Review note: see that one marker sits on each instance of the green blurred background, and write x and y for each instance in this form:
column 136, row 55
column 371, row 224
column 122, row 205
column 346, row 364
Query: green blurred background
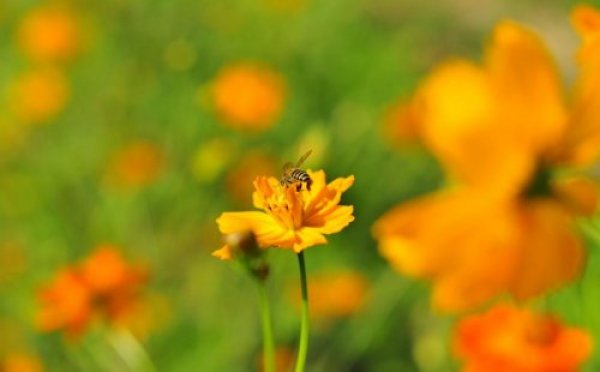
column 143, row 73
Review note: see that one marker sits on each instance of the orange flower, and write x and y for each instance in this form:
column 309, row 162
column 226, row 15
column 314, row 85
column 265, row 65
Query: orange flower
column 136, row 165
column 335, row 295
column 49, row 35
column 507, row 339
column 39, row 95
column 112, row 280
column 290, row 218
column 101, row 285
column 239, row 179
column 66, row 304
column 499, row 130
column 18, row 362
column 284, row 360
column 248, row 96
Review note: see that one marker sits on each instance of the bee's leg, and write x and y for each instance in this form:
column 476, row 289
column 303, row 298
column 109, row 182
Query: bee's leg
column 308, row 184
column 299, row 186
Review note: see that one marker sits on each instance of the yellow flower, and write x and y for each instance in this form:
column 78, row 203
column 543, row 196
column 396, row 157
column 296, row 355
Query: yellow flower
column 499, row 131
column 290, row 218
column 248, row 96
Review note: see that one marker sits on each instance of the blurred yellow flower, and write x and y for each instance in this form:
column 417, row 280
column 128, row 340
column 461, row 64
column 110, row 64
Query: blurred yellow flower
column 21, row 362
column 248, row 96
column 506, row 338
column 290, row 218
column 211, row 158
column 499, row 130
column 334, row 294
column 39, row 95
column 49, row 34
column 135, row 165
column 102, row 285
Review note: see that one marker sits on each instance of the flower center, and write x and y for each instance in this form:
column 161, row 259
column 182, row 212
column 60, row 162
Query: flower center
column 540, row 184
column 286, row 205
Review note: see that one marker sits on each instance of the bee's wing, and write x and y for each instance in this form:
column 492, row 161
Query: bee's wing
column 303, row 158
column 287, row 166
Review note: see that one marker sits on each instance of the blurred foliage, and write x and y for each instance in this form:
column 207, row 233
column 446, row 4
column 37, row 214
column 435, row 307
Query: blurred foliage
column 143, row 74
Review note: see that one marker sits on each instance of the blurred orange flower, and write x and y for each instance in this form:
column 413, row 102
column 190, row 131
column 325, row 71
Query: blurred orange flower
column 499, row 130
column 400, row 125
column 506, row 339
column 103, row 285
column 135, row 165
column 284, row 360
column 66, row 304
column 39, row 95
column 48, row 34
column 19, row 362
column 248, row 96
column 239, row 179
column 290, row 218
column 334, row 294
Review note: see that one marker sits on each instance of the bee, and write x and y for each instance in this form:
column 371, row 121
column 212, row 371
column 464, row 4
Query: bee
column 295, row 175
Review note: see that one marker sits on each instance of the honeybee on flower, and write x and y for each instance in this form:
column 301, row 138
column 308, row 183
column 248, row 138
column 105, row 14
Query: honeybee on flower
column 293, row 174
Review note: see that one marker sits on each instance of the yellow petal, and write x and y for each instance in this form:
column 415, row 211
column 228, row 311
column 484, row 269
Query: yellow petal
column 224, row 253
column 307, row 237
column 267, row 230
column 551, row 252
column 332, row 222
column 526, row 86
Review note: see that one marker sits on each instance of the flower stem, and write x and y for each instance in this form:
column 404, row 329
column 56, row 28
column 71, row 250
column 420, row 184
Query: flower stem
column 267, row 329
column 303, row 347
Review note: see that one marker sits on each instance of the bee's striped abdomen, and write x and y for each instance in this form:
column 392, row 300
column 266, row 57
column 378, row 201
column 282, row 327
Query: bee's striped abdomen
column 300, row 175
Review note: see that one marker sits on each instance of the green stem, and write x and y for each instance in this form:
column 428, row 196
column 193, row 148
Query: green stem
column 268, row 345
column 303, row 347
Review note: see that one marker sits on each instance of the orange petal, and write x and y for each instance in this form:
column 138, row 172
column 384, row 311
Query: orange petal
column 581, row 144
column 526, row 86
column 579, row 195
column 463, row 130
column 552, row 254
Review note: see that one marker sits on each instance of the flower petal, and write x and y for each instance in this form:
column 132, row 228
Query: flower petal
column 581, row 144
column 307, row 237
column 526, row 87
column 224, row 253
column 551, row 252
column 462, row 128
column 267, row 230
